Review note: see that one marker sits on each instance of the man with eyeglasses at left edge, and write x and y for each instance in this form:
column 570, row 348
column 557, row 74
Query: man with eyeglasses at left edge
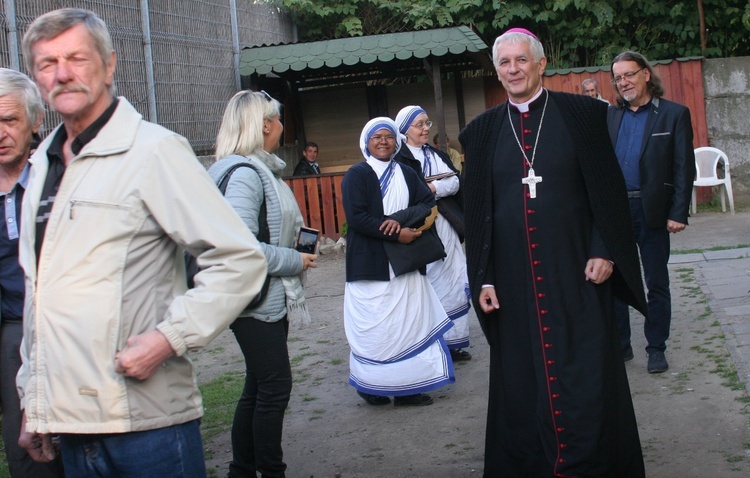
column 653, row 140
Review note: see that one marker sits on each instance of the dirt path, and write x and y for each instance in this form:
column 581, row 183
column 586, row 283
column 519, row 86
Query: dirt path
column 691, row 425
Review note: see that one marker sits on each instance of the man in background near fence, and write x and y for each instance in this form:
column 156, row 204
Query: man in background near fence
column 308, row 164
column 653, row 139
column 108, row 320
column 21, row 113
column 590, row 87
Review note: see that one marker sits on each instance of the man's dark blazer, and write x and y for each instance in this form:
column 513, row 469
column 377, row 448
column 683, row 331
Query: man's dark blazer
column 667, row 161
column 305, row 168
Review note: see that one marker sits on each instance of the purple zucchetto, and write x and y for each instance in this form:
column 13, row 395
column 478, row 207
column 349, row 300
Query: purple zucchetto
column 522, row 30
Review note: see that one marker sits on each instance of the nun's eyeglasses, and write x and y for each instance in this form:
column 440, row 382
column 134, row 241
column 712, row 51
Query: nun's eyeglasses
column 423, row 125
column 378, row 138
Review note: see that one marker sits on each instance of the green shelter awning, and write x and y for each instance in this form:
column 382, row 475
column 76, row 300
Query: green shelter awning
column 358, row 58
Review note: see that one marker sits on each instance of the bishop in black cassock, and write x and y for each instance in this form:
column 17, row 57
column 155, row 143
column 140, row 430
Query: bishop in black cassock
column 559, row 400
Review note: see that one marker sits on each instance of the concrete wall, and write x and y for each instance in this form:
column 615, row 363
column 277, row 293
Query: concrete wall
column 727, row 89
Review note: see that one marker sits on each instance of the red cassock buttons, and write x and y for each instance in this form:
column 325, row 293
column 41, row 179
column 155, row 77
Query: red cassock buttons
column 543, row 311
column 545, row 329
column 560, row 429
column 526, row 115
column 527, row 131
column 558, row 412
column 547, row 346
column 550, row 362
column 532, row 229
column 562, row 445
column 555, row 395
column 534, row 246
column 527, row 147
column 530, row 211
column 561, row 460
column 539, row 279
column 540, row 295
column 536, row 263
column 552, row 379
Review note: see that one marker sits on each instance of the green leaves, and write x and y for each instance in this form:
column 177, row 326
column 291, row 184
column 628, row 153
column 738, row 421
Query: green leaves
column 574, row 32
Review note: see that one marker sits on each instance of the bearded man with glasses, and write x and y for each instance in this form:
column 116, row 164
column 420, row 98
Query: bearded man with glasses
column 653, row 140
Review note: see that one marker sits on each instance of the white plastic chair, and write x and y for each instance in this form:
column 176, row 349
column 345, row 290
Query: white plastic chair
column 706, row 174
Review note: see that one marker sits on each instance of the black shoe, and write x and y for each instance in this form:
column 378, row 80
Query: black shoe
column 627, row 354
column 418, row 400
column 374, row 399
column 459, row 355
column 657, row 362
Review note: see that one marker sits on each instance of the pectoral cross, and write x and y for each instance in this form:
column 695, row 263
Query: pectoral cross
column 531, row 180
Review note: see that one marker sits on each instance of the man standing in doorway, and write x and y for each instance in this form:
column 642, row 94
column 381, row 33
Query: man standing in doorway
column 548, row 243
column 653, row 139
column 111, row 203
column 308, row 164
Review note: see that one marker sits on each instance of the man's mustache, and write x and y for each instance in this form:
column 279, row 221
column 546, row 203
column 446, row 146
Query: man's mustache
column 69, row 88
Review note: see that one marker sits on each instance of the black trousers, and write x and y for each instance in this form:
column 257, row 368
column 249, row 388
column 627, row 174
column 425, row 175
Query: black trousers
column 259, row 417
column 653, row 245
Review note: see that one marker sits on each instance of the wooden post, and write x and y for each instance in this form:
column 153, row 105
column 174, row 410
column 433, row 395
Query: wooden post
column 433, row 73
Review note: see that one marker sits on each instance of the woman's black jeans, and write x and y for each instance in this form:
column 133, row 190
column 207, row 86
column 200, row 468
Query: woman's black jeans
column 259, row 417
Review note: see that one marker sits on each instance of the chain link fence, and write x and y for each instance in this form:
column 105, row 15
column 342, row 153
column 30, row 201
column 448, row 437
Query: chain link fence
column 175, row 59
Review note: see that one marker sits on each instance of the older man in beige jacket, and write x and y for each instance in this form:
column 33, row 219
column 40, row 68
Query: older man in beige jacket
column 108, row 320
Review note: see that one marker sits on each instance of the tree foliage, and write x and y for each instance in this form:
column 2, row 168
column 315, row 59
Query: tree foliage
column 574, row 32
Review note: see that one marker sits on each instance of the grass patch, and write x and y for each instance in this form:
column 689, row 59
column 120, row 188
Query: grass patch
column 709, row 249
column 713, row 348
column 297, row 359
column 300, row 377
column 706, row 314
column 734, row 458
column 679, row 386
column 692, row 291
column 219, row 402
column 4, row 472
column 726, row 370
column 317, row 414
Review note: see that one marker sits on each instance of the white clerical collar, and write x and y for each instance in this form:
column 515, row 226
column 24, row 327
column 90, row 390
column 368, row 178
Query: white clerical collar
column 524, row 107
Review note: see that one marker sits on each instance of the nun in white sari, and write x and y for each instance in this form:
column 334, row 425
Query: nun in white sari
column 448, row 276
column 394, row 325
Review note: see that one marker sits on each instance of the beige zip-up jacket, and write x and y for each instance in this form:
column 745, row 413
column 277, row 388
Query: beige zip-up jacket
column 111, row 266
